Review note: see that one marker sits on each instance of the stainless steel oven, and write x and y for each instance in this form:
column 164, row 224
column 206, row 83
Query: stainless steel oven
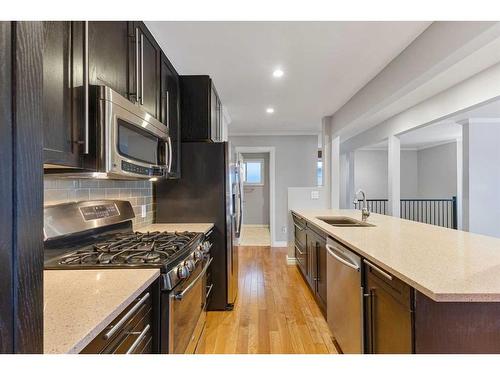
column 187, row 311
column 130, row 142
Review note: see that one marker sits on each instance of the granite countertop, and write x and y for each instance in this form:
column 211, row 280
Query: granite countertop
column 444, row 264
column 178, row 227
column 79, row 304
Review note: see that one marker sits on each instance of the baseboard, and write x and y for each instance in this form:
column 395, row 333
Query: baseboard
column 291, row 261
column 280, row 244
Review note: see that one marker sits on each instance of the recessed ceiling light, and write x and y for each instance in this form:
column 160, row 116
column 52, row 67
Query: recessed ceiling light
column 278, row 73
column 270, row 110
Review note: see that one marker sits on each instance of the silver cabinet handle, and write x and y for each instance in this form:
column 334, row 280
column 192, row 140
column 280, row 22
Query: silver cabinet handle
column 300, row 252
column 331, row 251
column 180, row 295
column 137, row 93
column 126, row 317
column 378, row 270
column 168, row 112
column 298, row 227
column 142, row 69
column 209, row 290
column 86, row 87
column 139, row 339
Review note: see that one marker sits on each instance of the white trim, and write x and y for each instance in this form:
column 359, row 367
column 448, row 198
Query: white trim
column 291, row 261
column 272, row 181
column 274, row 133
column 279, row 244
column 256, row 225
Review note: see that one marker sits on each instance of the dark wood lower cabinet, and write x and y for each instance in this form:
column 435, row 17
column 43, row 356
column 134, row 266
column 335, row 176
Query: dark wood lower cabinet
column 388, row 314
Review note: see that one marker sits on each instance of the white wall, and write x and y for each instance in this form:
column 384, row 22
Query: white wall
column 437, row 171
column 296, row 158
column 409, row 174
column 481, row 145
column 370, row 173
column 256, row 197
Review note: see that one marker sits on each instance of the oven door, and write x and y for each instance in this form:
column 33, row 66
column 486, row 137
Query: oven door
column 187, row 311
column 137, row 145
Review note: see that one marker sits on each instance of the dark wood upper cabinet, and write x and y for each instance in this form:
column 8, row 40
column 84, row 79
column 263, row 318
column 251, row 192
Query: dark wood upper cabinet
column 147, row 69
column 62, row 92
column 170, row 111
column 201, row 110
column 109, row 57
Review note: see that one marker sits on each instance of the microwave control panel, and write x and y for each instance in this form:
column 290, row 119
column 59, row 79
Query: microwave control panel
column 134, row 168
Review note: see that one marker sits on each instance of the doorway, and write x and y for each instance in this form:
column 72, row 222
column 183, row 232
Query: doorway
column 258, row 195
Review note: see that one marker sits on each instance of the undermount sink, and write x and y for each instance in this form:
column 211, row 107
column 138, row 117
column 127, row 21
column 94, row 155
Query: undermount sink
column 343, row 221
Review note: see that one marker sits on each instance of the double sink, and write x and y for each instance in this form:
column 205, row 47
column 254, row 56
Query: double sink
column 344, row 221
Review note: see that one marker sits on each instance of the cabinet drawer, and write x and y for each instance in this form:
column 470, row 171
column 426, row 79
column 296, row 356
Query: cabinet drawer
column 301, row 256
column 134, row 337
column 117, row 330
column 299, row 226
column 391, row 284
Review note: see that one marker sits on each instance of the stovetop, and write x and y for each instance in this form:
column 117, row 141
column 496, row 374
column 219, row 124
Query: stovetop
column 123, row 250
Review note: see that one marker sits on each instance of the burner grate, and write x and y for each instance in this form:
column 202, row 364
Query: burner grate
column 131, row 248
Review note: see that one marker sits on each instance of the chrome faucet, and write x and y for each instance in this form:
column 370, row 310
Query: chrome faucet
column 364, row 210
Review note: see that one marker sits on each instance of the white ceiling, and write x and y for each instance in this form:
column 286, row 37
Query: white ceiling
column 325, row 63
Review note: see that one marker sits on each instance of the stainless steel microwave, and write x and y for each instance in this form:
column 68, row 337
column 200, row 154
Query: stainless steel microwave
column 132, row 143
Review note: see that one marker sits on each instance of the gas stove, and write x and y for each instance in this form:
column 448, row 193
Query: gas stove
column 109, row 242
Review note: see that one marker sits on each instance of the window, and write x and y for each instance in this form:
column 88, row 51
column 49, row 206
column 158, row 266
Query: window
column 253, row 172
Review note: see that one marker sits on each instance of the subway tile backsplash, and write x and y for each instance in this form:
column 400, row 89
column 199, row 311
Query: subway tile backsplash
column 138, row 193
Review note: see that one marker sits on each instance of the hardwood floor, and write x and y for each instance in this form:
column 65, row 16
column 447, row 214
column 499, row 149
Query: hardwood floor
column 275, row 311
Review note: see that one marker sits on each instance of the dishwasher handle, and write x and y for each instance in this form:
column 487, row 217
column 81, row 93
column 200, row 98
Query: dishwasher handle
column 332, row 251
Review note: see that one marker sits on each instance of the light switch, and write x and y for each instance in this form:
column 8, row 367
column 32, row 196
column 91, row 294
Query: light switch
column 315, row 194
column 143, row 210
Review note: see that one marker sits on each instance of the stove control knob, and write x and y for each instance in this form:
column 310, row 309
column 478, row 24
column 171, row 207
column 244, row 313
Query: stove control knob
column 189, row 264
column 182, row 272
column 197, row 255
column 206, row 246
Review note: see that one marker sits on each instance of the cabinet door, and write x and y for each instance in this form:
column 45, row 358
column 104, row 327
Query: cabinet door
column 62, row 92
column 109, row 44
column 149, row 71
column 311, row 260
column 321, row 259
column 388, row 314
column 170, row 112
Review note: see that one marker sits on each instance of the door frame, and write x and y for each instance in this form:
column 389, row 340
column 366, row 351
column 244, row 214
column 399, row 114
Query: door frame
column 272, row 182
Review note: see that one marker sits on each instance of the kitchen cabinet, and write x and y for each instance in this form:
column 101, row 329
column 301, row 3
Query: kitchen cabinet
column 300, row 245
column 111, row 49
column 63, row 92
column 170, row 111
column 201, row 110
column 388, row 313
column 131, row 332
column 316, row 250
column 147, row 70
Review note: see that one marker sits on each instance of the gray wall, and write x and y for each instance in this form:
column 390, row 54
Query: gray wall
column 437, row 171
column 371, row 173
column 256, row 197
column 296, row 158
column 426, row 173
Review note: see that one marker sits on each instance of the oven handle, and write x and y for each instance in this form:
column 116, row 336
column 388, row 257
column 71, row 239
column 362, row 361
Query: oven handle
column 180, row 295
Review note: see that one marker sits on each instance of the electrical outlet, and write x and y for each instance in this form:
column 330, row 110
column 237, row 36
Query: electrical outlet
column 283, row 229
column 315, row 194
column 143, row 210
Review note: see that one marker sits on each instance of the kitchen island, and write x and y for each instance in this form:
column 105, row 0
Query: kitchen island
column 449, row 280
column 79, row 304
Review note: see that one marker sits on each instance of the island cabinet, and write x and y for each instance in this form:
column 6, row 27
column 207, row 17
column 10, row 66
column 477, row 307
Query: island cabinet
column 388, row 313
column 310, row 254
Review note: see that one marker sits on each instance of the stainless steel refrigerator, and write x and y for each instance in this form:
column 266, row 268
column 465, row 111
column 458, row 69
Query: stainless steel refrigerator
column 209, row 190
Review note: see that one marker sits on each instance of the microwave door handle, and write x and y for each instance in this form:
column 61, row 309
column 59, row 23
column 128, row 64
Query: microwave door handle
column 86, row 87
column 168, row 155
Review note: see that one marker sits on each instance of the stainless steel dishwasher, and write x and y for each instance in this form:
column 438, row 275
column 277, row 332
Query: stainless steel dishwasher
column 344, row 297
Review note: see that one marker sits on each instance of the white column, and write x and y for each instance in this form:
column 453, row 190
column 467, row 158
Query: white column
column 465, row 176
column 459, row 183
column 335, row 173
column 350, row 180
column 394, row 175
